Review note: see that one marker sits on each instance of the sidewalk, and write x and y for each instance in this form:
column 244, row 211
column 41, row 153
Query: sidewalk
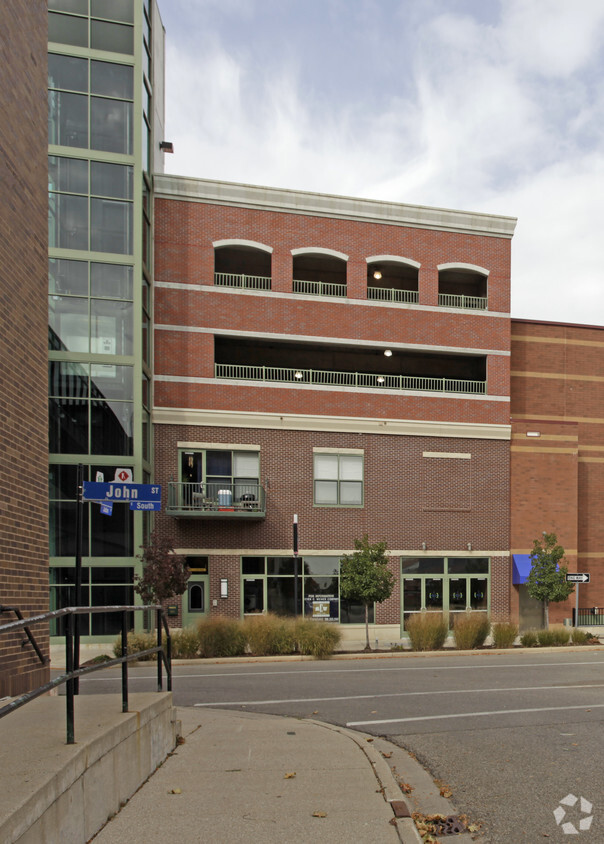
column 242, row 776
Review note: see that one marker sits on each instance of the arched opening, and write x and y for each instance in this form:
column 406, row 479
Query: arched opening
column 462, row 287
column 391, row 279
column 242, row 264
column 319, row 273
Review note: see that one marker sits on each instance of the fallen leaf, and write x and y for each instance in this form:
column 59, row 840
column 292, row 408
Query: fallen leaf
column 373, row 711
column 175, row 791
column 316, row 712
column 369, row 739
column 180, row 740
column 445, row 792
column 386, row 755
column 319, row 814
column 290, row 776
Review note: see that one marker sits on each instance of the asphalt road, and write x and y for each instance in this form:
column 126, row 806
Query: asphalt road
column 510, row 734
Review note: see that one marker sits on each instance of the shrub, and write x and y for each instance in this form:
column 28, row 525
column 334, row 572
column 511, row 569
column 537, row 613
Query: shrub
column 580, row 637
column 427, row 631
column 470, row 630
column 270, row 634
column 317, row 638
column 137, row 642
column 504, row 634
column 529, row 639
column 546, row 638
column 561, row 635
column 220, row 637
column 185, row 643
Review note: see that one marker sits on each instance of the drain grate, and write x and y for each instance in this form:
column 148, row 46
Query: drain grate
column 451, row 825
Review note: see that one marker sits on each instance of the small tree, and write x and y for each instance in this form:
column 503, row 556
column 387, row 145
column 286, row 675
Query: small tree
column 165, row 574
column 547, row 579
column 365, row 577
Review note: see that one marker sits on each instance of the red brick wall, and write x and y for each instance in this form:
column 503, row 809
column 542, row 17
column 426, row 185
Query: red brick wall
column 409, row 499
column 24, row 315
column 557, row 479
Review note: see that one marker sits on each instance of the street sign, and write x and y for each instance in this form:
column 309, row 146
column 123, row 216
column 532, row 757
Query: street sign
column 121, row 492
column 577, row 577
column 106, row 507
column 145, row 505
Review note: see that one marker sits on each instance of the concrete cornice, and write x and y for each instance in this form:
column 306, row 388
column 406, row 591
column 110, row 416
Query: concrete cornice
column 326, row 205
column 332, row 424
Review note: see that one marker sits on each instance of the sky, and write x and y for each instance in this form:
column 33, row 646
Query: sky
column 493, row 106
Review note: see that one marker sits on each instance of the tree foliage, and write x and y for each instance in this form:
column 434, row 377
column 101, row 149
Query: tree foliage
column 365, row 576
column 165, row 574
column 547, row 579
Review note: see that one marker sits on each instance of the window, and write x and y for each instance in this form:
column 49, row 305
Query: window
column 338, row 479
column 445, row 585
column 268, row 584
column 221, row 475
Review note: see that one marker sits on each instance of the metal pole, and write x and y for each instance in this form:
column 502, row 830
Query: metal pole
column 577, row 606
column 124, row 664
column 159, row 659
column 69, row 686
column 295, row 564
column 78, row 572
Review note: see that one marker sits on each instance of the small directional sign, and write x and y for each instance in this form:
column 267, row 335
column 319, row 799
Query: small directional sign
column 577, row 577
column 145, row 505
column 106, row 507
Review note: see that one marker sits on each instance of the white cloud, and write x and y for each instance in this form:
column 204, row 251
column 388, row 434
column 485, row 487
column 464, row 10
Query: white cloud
column 497, row 115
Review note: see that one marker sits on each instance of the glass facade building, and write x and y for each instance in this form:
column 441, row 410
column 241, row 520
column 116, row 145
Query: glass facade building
column 105, row 120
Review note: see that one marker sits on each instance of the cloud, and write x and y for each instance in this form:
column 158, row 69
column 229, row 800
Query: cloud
column 494, row 108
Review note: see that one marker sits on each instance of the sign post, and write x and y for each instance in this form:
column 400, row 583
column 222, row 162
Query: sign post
column 577, row 577
column 295, row 543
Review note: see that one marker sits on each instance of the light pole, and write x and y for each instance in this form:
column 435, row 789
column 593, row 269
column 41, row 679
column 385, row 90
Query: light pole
column 295, row 564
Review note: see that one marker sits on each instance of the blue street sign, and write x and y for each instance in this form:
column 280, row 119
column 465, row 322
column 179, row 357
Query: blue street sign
column 106, row 507
column 121, row 493
column 145, row 505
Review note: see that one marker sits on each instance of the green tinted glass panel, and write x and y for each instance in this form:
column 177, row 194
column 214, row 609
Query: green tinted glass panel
column 67, row 29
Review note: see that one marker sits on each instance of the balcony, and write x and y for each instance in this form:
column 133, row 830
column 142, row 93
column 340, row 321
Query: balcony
column 247, row 282
column 349, row 379
column 208, row 501
column 319, row 288
column 453, row 300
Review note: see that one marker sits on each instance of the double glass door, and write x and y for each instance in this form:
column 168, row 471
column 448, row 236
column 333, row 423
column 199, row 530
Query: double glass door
column 444, row 594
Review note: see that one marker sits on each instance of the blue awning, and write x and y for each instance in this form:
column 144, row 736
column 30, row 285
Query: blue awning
column 521, row 568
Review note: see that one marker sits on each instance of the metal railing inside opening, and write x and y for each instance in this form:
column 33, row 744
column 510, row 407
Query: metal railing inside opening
column 319, row 288
column 247, row 282
column 73, row 671
column 392, row 294
column 349, row 379
column 454, row 300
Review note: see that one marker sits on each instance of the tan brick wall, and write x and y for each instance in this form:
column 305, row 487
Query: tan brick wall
column 24, row 310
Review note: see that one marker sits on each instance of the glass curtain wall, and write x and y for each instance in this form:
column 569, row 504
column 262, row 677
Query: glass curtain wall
column 100, row 95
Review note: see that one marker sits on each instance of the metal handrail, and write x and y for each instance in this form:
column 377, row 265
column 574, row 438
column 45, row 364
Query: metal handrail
column 458, row 300
column 32, row 639
column 249, row 282
column 72, row 675
column 319, row 288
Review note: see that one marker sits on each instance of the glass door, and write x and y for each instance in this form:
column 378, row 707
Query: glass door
column 253, row 595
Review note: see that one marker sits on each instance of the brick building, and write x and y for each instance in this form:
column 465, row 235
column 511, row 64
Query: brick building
column 340, row 359
column 557, row 455
column 23, row 316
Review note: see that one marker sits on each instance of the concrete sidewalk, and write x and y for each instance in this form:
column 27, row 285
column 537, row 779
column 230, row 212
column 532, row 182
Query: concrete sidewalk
column 241, row 776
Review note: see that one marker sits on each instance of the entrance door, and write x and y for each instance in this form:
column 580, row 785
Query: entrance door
column 196, row 600
column 253, row 595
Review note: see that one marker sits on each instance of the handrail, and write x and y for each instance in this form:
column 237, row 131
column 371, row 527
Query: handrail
column 70, row 677
column 32, row 639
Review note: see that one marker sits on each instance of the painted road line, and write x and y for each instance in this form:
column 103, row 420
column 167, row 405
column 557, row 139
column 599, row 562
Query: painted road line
column 585, row 707
column 396, row 694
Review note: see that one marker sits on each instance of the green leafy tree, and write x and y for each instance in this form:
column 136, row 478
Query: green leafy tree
column 165, row 574
column 365, row 576
column 547, row 579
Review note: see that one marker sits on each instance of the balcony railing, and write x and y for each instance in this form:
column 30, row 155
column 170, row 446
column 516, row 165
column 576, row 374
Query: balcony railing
column 216, row 500
column 349, row 379
column 249, row 282
column 454, row 300
column 391, row 294
column 319, row 288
